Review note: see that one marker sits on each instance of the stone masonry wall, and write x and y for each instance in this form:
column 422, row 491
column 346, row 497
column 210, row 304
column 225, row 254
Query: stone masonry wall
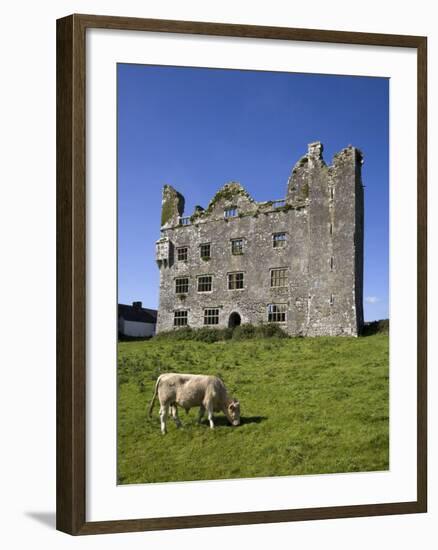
column 322, row 217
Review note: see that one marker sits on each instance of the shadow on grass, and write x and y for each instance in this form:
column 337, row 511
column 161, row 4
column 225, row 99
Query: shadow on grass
column 252, row 419
column 218, row 421
column 222, row 421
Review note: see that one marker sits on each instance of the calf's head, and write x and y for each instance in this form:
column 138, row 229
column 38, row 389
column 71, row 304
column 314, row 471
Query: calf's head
column 233, row 412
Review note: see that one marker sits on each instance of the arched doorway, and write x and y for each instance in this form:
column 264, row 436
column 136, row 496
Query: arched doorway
column 234, row 320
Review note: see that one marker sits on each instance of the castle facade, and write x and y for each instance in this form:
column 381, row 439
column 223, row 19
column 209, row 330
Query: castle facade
column 297, row 262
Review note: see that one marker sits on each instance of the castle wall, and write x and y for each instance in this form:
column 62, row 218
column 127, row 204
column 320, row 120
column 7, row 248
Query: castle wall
column 321, row 296
column 335, row 225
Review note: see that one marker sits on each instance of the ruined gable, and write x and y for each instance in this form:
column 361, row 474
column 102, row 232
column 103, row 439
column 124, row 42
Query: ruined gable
column 231, row 195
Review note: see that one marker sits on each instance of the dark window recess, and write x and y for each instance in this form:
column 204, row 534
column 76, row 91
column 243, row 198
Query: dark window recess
column 237, row 247
column 235, row 281
column 180, row 318
column 279, row 240
column 279, row 277
column 277, row 313
column 182, row 253
column 205, row 283
column 211, row 316
column 205, row 251
column 182, row 285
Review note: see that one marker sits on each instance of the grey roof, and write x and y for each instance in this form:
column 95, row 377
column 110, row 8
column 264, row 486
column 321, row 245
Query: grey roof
column 139, row 314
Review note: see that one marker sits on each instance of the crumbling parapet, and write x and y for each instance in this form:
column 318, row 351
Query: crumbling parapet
column 315, row 150
column 172, row 207
column 298, row 185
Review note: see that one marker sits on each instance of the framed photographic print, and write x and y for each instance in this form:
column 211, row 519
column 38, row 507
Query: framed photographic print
column 241, row 274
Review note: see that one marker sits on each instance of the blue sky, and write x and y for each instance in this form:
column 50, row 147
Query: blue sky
column 196, row 129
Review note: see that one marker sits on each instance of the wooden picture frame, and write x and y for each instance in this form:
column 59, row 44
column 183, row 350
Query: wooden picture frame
column 71, row 273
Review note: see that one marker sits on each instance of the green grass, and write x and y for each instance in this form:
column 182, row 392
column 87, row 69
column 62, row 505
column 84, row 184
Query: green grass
column 309, row 406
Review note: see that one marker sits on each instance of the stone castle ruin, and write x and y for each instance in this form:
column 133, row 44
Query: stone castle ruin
column 297, row 262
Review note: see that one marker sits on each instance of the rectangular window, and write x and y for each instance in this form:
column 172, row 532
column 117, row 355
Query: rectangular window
column 279, row 240
column 211, row 316
column 180, row 318
column 181, row 285
column 205, row 251
column 279, row 277
column 331, row 263
column 237, row 246
column 332, row 299
column 181, row 253
column 230, row 212
column 277, row 313
column 204, row 283
column 235, row 281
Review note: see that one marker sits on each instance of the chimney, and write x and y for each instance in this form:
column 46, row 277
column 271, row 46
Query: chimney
column 137, row 305
column 315, row 150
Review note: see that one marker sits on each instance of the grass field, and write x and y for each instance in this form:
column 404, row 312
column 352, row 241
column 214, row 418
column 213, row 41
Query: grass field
column 309, row 406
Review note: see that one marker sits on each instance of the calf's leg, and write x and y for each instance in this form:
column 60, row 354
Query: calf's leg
column 174, row 413
column 164, row 411
column 201, row 413
column 210, row 415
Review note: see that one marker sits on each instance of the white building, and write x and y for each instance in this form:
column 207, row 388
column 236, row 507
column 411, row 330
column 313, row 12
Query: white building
column 136, row 321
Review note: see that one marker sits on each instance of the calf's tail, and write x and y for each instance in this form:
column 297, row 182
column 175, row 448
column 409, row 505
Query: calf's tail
column 151, row 406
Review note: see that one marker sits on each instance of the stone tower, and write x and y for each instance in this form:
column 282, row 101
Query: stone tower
column 297, row 261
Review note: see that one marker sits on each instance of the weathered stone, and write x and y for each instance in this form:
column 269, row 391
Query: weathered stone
column 322, row 217
column 172, row 207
